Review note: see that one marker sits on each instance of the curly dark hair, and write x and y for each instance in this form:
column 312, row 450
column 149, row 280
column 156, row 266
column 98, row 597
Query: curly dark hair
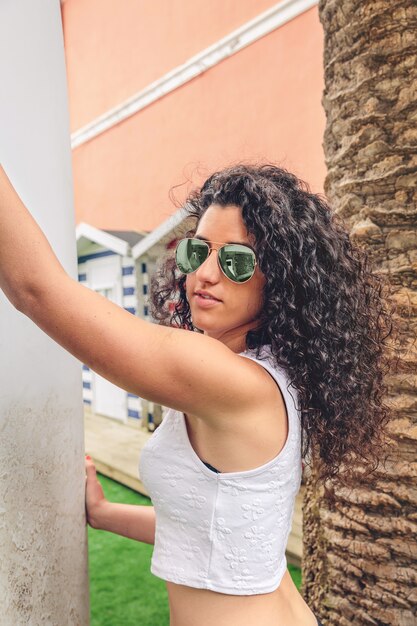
column 325, row 313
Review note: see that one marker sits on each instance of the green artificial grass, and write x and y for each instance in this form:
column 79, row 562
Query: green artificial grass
column 123, row 592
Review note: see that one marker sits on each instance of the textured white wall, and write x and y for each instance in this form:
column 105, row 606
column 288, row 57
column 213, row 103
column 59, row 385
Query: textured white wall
column 43, row 539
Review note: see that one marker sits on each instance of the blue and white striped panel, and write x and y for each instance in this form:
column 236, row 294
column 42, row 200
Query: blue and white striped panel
column 129, row 285
column 134, row 406
column 145, row 291
column 87, row 391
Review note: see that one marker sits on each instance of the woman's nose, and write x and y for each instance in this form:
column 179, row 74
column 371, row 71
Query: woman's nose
column 209, row 269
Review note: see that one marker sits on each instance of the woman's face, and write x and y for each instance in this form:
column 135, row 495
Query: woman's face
column 239, row 304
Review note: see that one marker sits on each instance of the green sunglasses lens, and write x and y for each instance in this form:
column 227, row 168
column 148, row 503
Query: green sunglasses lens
column 237, row 261
column 190, row 254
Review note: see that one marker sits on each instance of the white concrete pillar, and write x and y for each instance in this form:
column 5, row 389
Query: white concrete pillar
column 43, row 538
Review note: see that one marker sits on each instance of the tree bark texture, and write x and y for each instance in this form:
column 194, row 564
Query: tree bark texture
column 360, row 556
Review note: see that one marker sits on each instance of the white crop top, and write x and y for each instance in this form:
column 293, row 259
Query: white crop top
column 222, row 531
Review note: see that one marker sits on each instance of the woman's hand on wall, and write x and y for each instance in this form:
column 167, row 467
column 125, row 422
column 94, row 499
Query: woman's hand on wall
column 129, row 520
column 94, row 494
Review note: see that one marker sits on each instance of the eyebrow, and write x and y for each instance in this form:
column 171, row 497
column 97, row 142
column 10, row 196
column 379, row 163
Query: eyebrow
column 239, row 243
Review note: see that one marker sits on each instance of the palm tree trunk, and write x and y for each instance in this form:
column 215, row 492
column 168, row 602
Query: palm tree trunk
column 359, row 557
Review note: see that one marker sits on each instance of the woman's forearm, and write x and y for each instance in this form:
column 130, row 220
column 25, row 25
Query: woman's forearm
column 130, row 520
column 27, row 261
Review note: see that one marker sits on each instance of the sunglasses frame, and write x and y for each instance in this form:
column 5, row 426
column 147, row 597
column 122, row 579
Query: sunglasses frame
column 224, row 243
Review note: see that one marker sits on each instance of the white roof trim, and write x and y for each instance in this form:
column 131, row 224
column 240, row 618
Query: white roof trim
column 247, row 34
column 103, row 239
column 158, row 233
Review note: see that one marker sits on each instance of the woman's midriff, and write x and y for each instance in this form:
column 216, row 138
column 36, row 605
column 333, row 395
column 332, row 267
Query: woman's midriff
column 201, row 607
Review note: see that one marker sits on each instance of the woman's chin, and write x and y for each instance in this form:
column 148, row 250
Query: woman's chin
column 203, row 325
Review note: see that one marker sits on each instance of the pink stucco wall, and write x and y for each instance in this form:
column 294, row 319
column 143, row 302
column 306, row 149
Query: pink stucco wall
column 114, row 49
column 262, row 103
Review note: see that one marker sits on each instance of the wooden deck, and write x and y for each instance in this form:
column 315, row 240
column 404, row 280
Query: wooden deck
column 115, row 449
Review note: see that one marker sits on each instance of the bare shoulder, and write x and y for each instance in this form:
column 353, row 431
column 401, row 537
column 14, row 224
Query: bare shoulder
column 266, row 384
column 260, row 393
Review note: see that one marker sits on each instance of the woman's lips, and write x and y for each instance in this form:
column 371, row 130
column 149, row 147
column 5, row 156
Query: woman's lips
column 205, row 302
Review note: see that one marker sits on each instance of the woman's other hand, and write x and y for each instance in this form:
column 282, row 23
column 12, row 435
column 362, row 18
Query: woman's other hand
column 129, row 520
column 94, row 494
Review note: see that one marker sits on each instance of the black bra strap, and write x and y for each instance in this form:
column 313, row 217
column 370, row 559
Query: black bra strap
column 212, row 468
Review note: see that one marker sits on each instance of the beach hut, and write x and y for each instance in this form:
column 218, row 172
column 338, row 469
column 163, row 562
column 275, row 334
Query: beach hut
column 118, row 265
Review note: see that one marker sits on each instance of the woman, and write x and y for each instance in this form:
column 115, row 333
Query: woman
column 278, row 296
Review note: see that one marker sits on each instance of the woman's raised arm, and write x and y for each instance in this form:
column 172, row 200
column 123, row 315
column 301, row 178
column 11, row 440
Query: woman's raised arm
column 174, row 367
column 26, row 257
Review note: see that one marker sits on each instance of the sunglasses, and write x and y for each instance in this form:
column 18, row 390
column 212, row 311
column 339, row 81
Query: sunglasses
column 236, row 261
